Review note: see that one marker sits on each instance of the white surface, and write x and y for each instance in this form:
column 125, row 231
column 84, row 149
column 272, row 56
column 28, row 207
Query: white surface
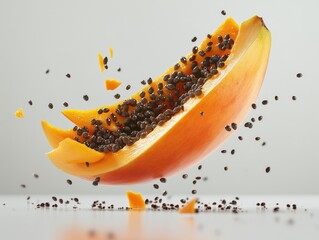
column 21, row 220
column 65, row 36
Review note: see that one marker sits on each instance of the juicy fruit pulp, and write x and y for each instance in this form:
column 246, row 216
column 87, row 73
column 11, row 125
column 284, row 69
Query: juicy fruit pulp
column 187, row 136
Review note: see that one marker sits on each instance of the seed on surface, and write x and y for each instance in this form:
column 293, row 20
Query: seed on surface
column 223, row 12
column 209, row 36
column 86, row 97
column 264, row 102
column 163, row 180
column 294, row 98
column 50, row 105
column 69, row 181
column 195, row 49
column 183, row 59
column 185, row 176
column 267, row 169
column 68, row 75
column 299, row 75
column 65, row 104
column 194, row 39
column 30, row 103
column 156, row 186
column 228, row 128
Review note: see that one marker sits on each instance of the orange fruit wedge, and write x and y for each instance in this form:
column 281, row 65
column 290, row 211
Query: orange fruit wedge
column 188, row 136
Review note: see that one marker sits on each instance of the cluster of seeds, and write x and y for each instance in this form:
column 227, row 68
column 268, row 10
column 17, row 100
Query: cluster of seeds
column 158, row 104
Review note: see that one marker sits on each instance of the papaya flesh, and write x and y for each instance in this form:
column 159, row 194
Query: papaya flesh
column 192, row 129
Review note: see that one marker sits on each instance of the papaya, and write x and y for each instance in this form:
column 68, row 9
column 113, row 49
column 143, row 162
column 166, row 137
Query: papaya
column 135, row 200
column 189, row 207
column 176, row 119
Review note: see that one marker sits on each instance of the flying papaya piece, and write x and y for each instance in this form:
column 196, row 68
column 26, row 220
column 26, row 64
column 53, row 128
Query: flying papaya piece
column 111, row 52
column 178, row 118
column 111, row 84
column 19, row 113
column 189, row 207
column 101, row 62
column 135, row 200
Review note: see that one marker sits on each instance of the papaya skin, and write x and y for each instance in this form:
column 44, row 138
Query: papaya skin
column 188, row 136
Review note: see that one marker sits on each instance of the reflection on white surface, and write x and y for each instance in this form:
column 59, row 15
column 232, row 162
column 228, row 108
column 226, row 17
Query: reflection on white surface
column 20, row 219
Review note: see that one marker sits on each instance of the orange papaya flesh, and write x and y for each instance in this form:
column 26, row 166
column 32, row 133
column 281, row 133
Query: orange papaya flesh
column 135, row 200
column 19, row 113
column 187, row 136
column 112, row 84
column 189, row 207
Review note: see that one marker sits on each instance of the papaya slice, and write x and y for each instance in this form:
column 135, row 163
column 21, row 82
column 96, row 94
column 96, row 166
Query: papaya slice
column 191, row 121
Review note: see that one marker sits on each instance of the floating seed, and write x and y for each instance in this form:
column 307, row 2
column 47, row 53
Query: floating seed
column 47, row 71
column 299, row 75
column 68, row 75
column 119, row 69
column 234, row 126
column 194, row 191
column 260, row 118
column 276, row 98
column 65, row 104
column 263, row 144
column 294, row 98
column 50, row 105
column 226, row 168
column 228, row 128
column 194, row 39
column 23, row 186
column 128, row 87
column 163, row 180
column 30, row 103
column 86, row 97
column 267, row 169
column 240, row 138
column 223, row 151
column 69, row 181
column 223, row 12
column 185, row 176
column 232, row 152
column 264, row 102
column 199, row 167
column 257, row 138
column 254, row 106
column 156, row 186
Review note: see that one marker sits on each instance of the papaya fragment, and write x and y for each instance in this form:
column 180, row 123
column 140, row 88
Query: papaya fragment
column 111, row 84
column 224, row 91
column 19, row 113
column 111, row 52
column 189, row 207
column 73, row 152
column 101, row 63
column 135, row 200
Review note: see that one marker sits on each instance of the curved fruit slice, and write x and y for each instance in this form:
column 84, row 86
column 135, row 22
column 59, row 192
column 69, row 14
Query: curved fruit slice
column 189, row 207
column 188, row 136
column 135, row 200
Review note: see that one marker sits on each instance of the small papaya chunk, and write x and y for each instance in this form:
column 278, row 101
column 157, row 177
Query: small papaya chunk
column 135, row 200
column 111, row 84
column 111, row 52
column 222, row 82
column 101, row 63
column 189, row 207
column 19, row 113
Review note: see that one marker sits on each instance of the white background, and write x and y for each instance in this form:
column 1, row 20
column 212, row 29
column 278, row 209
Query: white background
column 147, row 37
